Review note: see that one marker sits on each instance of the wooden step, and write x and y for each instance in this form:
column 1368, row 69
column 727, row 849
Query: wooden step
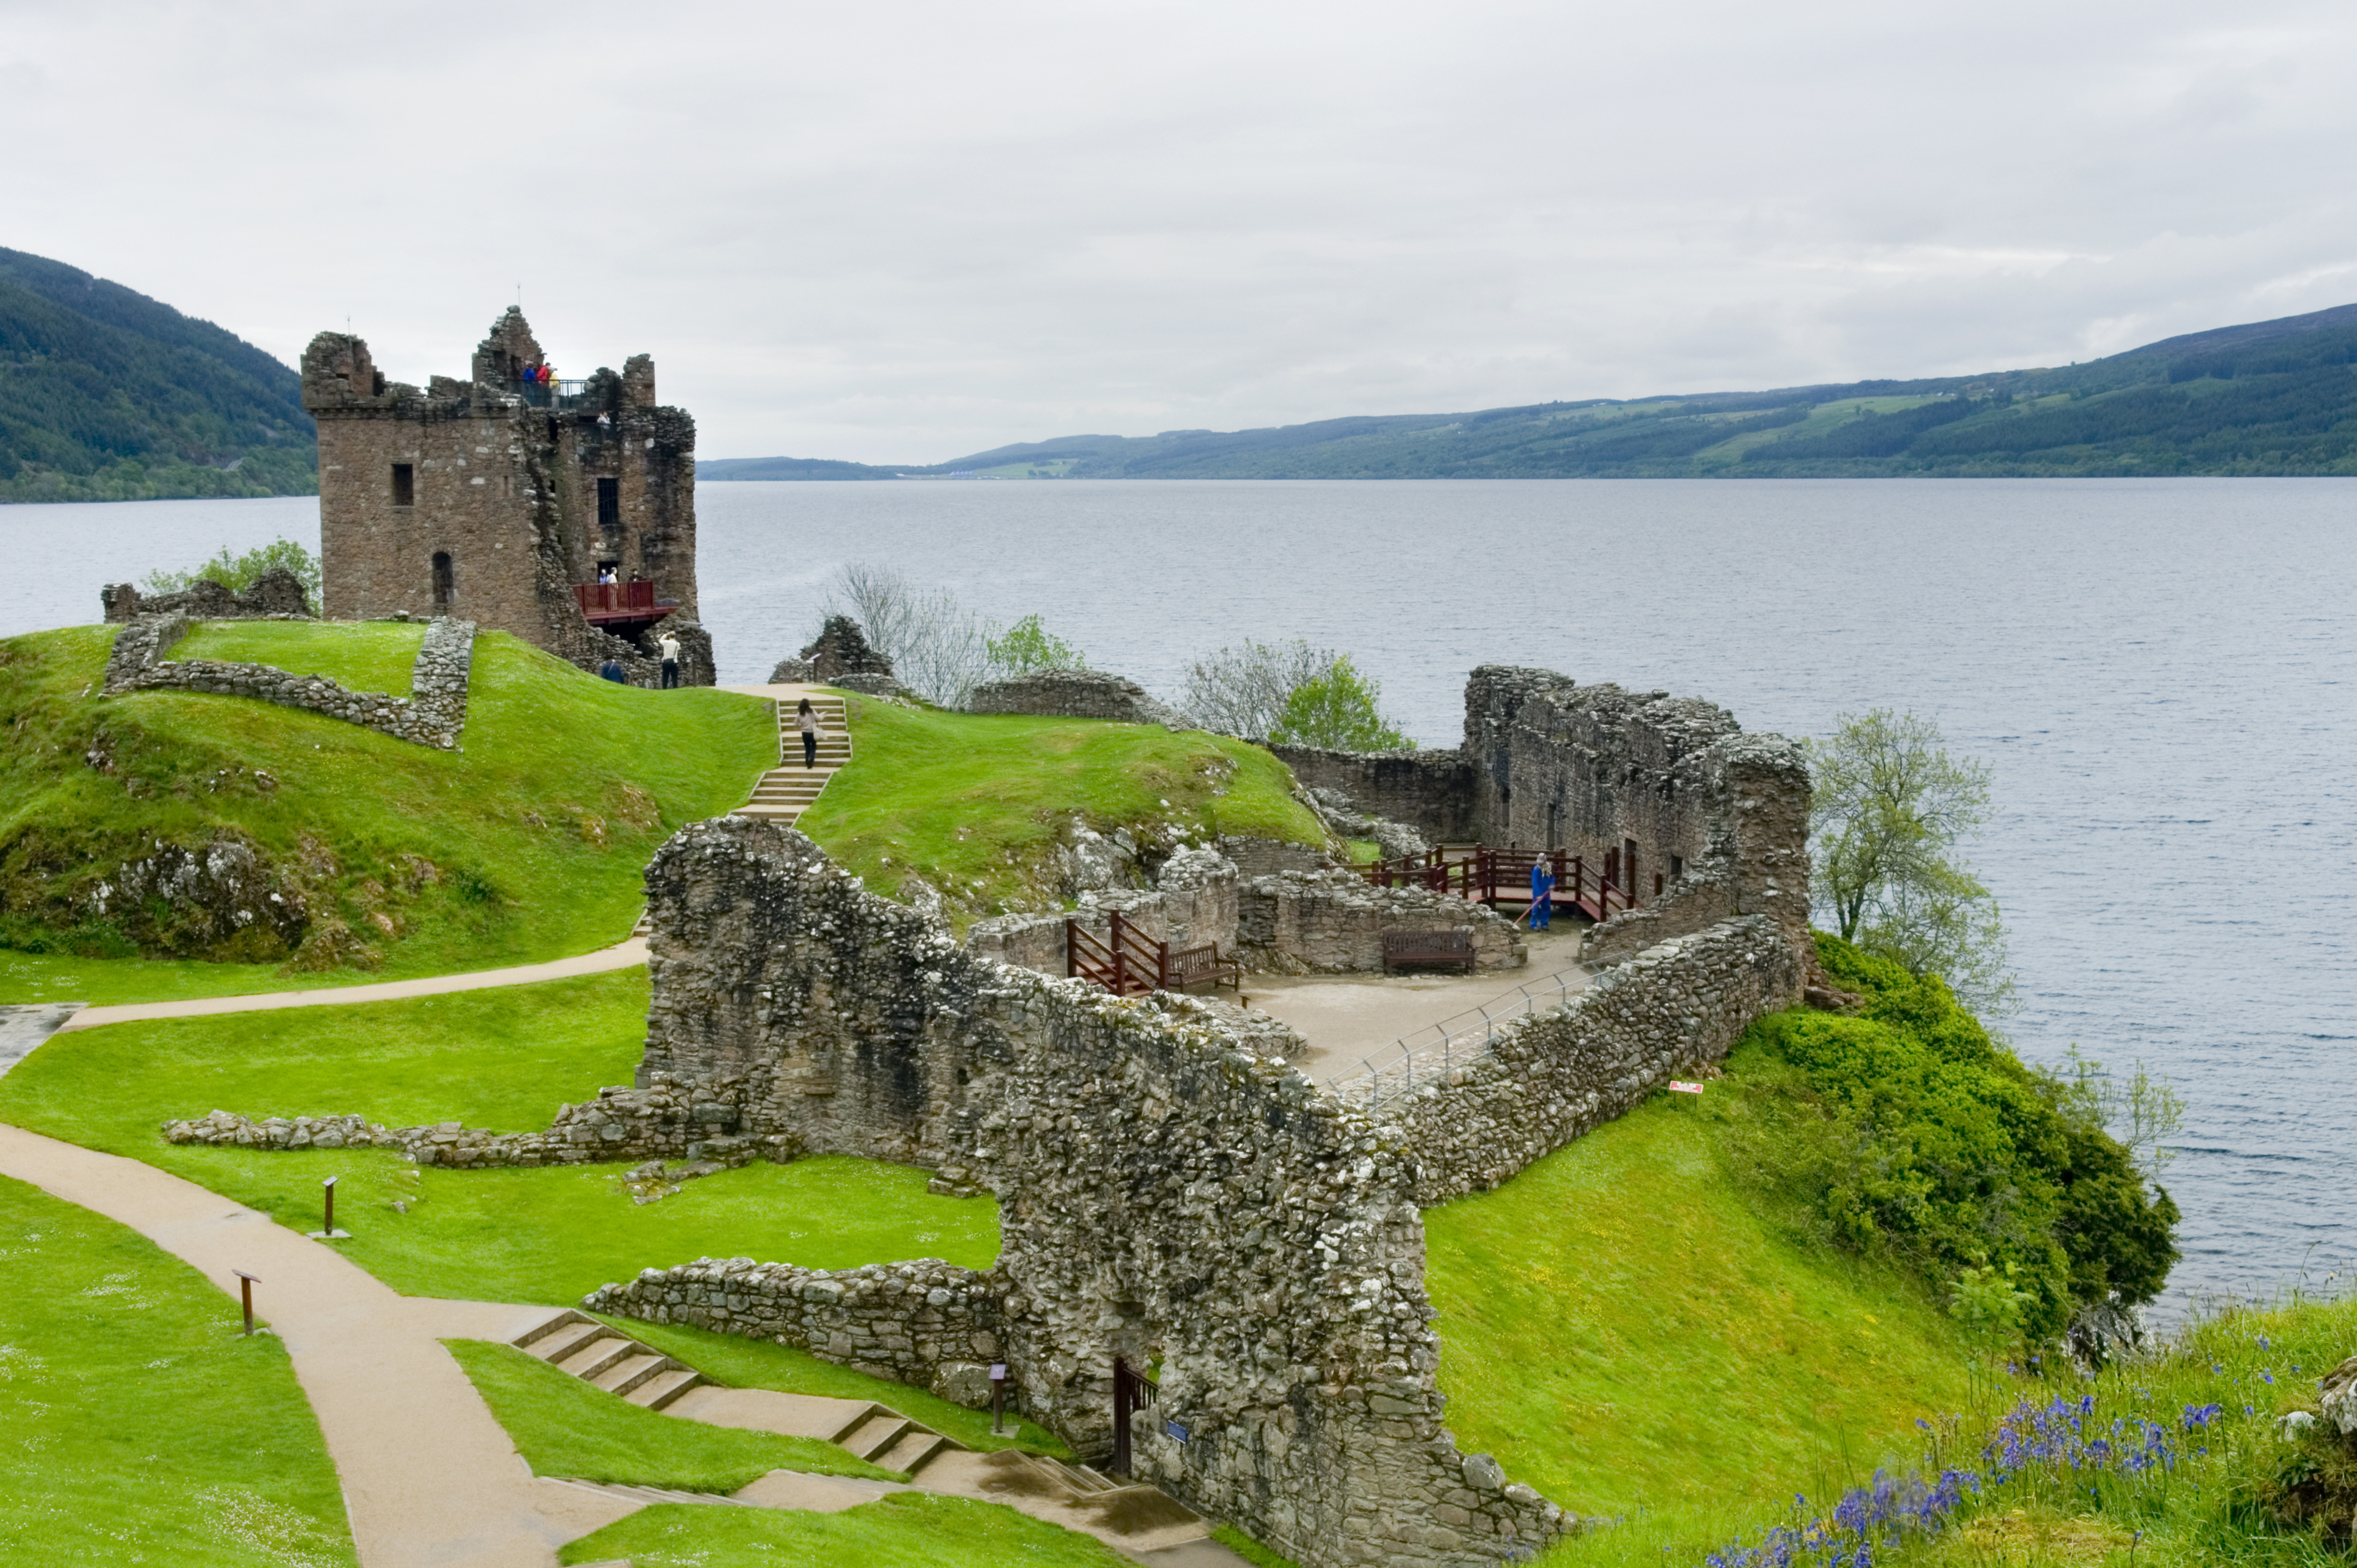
column 916, row 1449
column 573, row 1338
column 631, row 1371
column 880, row 1432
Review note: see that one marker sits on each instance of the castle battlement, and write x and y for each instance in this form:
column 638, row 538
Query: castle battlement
column 507, row 497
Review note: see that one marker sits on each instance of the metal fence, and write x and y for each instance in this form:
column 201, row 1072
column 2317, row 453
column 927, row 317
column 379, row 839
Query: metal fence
column 1433, row 1052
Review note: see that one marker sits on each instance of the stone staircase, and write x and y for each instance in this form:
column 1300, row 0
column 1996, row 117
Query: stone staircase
column 607, row 1358
column 786, row 792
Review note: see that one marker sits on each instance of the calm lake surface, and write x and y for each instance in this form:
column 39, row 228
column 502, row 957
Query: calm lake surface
column 2158, row 671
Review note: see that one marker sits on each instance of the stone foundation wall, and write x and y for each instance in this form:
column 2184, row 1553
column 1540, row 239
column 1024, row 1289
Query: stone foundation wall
column 1266, row 857
column 1076, row 694
column 668, row 1121
column 1549, row 1079
column 433, row 715
column 927, row 1323
column 277, row 595
column 1332, row 922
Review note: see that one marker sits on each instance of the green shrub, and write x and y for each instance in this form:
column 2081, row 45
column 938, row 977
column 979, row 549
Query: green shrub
column 1938, row 1146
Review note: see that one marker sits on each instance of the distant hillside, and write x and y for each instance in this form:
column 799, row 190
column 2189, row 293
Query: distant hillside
column 2271, row 397
column 106, row 394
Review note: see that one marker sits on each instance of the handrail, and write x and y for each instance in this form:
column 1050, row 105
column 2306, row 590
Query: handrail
column 1463, row 1037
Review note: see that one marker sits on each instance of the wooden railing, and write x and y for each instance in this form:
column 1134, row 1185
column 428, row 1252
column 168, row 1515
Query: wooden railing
column 1480, row 874
column 1126, row 962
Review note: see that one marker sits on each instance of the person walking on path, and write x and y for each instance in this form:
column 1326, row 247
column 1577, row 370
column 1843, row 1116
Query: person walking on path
column 1542, row 894
column 668, row 646
column 806, row 721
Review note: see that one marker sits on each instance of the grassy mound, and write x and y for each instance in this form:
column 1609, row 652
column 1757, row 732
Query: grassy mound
column 363, row 853
column 907, row 1529
column 979, row 805
column 139, row 1425
column 502, row 1060
column 564, row 1427
column 364, row 656
column 1626, row 1326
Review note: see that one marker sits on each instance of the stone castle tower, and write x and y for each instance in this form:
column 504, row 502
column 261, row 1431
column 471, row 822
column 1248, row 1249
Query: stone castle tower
column 508, row 498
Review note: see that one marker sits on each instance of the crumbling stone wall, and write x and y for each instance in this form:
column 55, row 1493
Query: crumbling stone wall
column 1163, row 1189
column 1432, row 791
column 1549, row 1079
column 840, row 648
column 434, row 712
column 1332, row 922
column 1076, row 694
column 519, row 488
column 1193, row 904
column 668, row 1119
column 277, row 592
column 925, row 1322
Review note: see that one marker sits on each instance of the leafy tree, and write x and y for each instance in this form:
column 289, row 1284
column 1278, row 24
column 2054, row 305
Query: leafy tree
column 1337, row 708
column 1026, row 646
column 238, row 573
column 1889, row 810
column 1244, row 691
column 938, row 648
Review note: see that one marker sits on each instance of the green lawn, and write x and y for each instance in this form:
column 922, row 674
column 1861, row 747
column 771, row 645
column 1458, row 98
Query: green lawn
column 567, row 1428
column 978, row 803
column 138, row 1425
column 743, row 1363
column 526, row 844
column 503, row 1059
column 906, row 1529
column 360, row 656
column 1624, row 1329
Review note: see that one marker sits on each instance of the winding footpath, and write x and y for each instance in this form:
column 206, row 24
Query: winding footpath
column 430, row 1478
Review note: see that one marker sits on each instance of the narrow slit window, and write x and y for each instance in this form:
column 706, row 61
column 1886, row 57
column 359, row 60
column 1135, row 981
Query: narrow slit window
column 609, row 505
column 445, row 582
column 404, row 485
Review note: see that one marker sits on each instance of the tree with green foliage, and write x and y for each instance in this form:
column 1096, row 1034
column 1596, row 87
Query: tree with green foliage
column 1889, row 808
column 1933, row 1143
column 1026, row 646
column 1338, row 709
column 1242, row 691
column 237, row 573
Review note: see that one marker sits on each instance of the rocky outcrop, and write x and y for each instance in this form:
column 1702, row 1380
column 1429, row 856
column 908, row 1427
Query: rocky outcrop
column 1076, row 694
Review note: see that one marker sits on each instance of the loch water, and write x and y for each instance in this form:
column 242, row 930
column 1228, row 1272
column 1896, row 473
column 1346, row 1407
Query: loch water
column 2158, row 672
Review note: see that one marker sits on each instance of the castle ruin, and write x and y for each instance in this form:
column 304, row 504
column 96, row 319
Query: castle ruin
column 561, row 510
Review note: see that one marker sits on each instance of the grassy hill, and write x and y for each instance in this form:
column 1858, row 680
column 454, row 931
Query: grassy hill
column 2267, row 398
column 1627, row 1329
column 106, row 394
column 383, row 857
column 981, row 805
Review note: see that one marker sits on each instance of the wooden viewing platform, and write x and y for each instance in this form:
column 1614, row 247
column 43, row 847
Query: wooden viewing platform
column 622, row 608
column 1481, row 874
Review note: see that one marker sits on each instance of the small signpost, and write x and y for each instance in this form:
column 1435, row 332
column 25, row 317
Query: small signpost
column 997, row 1397
column 245, row 1287
column 328, row 1232
column 1679, row 1086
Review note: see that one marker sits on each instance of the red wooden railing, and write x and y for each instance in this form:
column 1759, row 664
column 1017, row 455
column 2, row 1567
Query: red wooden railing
column 1480, row 874
column 1128, row 964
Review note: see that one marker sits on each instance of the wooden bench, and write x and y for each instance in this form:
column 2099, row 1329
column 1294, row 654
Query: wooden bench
column 1450, row 947
column 1192, row 966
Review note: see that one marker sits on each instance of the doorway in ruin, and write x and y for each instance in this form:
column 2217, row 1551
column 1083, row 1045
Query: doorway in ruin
column 446, row 582
column 1132, row 1391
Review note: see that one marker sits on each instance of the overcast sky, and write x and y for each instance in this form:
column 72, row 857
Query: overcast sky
column 905, row 231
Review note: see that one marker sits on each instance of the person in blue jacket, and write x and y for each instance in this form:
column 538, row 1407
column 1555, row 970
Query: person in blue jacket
column 1542, row 894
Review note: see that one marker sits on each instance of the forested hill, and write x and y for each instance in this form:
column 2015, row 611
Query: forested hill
column 2272, row 397
column 106, row 394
